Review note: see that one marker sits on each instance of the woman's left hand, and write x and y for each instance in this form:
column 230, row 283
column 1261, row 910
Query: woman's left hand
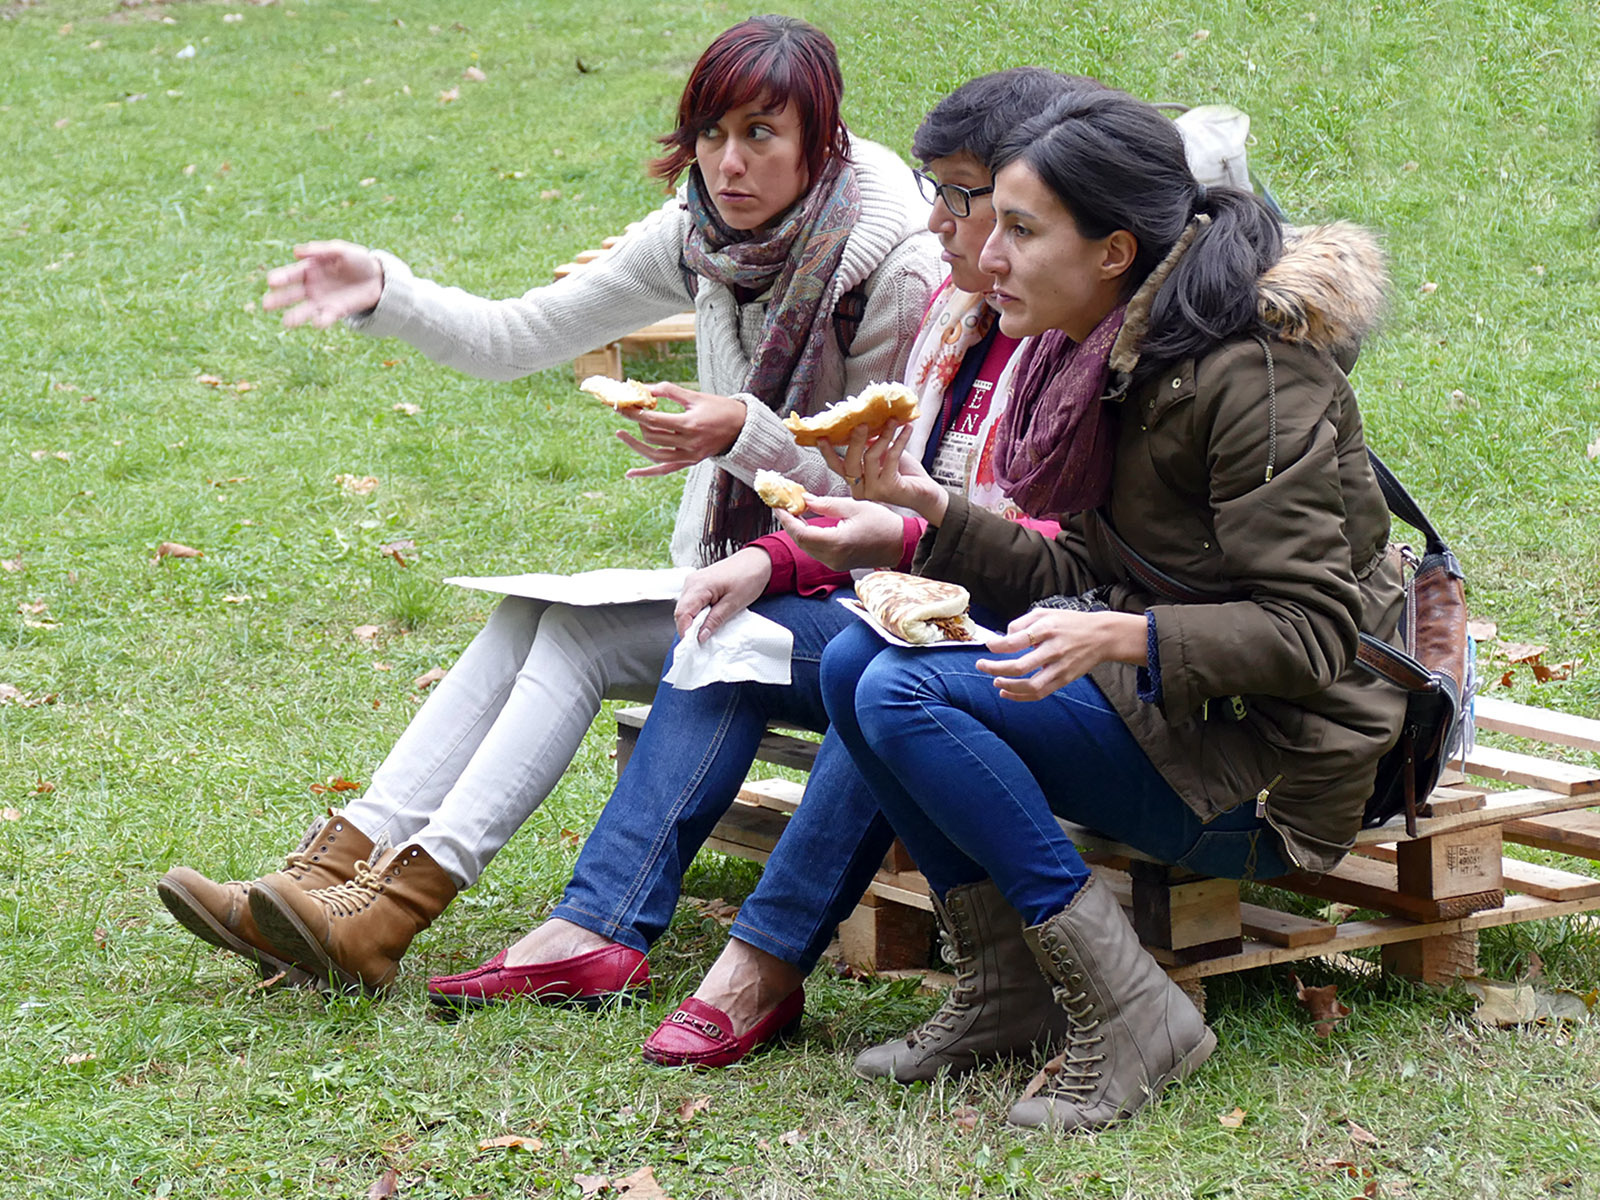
column 879, row 469
column 707, row 426
column 1061, row 645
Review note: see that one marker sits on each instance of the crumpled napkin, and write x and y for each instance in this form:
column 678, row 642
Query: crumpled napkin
column 749, row 648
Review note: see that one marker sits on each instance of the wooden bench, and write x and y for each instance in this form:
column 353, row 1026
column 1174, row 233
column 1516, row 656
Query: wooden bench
column 1434, row 892
column 607, row 359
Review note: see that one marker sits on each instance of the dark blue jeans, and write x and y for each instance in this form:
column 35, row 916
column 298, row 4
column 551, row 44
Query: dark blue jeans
column 973, row 782
column 691, row 758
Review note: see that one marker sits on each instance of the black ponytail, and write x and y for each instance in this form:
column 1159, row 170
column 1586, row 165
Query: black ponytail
column 1116, row 162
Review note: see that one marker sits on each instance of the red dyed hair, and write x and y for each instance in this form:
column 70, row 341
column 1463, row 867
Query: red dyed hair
column 770, row 60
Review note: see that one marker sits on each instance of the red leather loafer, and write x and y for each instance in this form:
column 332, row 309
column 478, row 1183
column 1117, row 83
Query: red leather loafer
column 698, row 1035
column 588, row 980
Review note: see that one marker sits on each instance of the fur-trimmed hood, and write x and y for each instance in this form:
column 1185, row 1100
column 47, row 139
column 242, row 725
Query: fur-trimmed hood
column 1326, row 291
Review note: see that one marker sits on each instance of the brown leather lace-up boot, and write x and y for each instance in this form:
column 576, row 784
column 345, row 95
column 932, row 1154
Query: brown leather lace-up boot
column 353, row 934
column 219, row 913
column 1133, row 1030
column 999, row 1004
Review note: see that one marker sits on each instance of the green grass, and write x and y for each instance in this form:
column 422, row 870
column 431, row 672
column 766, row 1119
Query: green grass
column 189, row 726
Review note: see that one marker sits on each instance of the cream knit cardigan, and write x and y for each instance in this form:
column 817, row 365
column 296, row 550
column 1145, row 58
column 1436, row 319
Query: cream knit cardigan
column 889, row 254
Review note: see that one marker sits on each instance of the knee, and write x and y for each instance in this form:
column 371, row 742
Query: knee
column 566, row 634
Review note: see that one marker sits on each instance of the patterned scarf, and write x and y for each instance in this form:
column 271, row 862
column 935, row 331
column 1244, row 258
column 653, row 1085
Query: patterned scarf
column 963, row 320
column 1055, row 441
column 797, row 260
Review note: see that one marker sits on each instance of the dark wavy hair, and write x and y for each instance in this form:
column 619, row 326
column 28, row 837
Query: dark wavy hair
column 1116, row 162
column 980, row 114
column 770, row 60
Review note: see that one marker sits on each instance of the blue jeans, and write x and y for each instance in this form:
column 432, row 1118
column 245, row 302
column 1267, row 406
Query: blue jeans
column 691, row 758
column 973, row 782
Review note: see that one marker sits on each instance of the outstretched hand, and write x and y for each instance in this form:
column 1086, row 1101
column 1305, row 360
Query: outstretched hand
column 867, row 535
column 707, row 426
column 1061, row 645
column 328, row 282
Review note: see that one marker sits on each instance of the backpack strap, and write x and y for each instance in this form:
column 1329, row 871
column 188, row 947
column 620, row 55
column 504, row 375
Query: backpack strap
column 847, row 316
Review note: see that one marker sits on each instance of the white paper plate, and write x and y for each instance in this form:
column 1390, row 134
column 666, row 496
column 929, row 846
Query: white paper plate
column 860, row 610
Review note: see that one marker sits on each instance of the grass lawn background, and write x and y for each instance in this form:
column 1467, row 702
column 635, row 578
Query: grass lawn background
column 142, row 196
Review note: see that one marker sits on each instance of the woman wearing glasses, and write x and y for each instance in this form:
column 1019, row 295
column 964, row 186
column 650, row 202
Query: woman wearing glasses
column 802, row 253
column 695, row 749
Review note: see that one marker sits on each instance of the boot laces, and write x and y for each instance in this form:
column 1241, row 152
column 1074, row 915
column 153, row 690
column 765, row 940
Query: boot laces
column 348, row 898
column 299, row 859
column 1079, row 1071
column 961, row 992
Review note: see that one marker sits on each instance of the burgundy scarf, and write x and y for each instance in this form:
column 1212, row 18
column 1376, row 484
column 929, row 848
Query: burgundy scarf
column 1056, row 438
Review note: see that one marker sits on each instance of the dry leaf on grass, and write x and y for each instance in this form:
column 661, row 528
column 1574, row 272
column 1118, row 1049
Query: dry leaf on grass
column 335, row 784
column 366, row 633
column 511, row 1141
column 428, row 678
column 1322, row 1003
column 590, row 1185
column 357, row 485
column 449, row 95
column 10, row 814
column 16, row 696
column 1231, row 1120
column 1358, row 1134
column 1555, row 674
column 176, row 550
column 408, row 410
column 1593, row 449
column 396, row 550
column 12, row 564
column 693, row 1105
column 1481, row 631
column 965, row 1118
column 641, row 1185
column 570, row 837
column 1519, row 652
column 1046, row 1073
column 32, row 608
column 793, row 1138
column 718, row 909
column 474, row 74
column 43, row 787
column 73, row 1060
column 242, row 599
column 385, row 1186
column 1504, row 1005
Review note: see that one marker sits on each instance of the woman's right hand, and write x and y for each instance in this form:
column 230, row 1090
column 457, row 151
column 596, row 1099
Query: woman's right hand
column 879, row 469
column 867, row 535
column 727, row 588
column 328, row 282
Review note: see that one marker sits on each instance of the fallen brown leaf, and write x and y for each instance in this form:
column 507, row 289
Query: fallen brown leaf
column 33, row 608
column 428, row 678
column 43, row 787
column 570, row 837
column 242, row 599
column 511, row 1141
column 408, row 410
column 1557, row 673
column 449, row 95
column 210, row 380
column 693, row 1105
column 366, row 633
column 12, row 564
column 965, row 1118
column 357, row 485
column 474, row 74
column 73, row 1060
column 335, row 784
column 1519, row 652
column 101, row 937
column 1593, row 449
column 1231, row 1120
column 396, row 550
column 10, row 814
column 793, row 1138
column 385, row 1186
column 589, row 1185
column 1505, row 680
column 1322, row 1003
column 641, row 1185
column 272, row 981
column 177, row 550
column 1358, row 1134
column 1045, row 1074
column 1481, row 631
column 16, row 696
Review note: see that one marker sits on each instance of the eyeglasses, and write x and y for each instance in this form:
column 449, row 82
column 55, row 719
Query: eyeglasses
column 956, row 198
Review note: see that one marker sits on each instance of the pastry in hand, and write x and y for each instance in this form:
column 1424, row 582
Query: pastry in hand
column 618, row 394
column 779, row 492
column 875, row 407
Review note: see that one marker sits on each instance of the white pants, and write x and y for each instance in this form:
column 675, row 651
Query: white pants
column 495, row 736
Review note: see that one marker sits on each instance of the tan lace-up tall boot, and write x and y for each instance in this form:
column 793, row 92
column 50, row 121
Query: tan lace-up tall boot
column 219, row 913
column 1133, row 1031
column 999, row 1004
column 354, row 934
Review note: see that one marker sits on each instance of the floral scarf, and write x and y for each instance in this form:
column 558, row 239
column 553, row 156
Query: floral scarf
column 796, row 261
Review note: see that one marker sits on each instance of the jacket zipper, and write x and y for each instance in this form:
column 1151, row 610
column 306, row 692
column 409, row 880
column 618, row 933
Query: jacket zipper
column 1263, row 814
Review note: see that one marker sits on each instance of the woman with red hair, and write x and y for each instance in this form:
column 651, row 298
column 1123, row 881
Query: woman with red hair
column 803, row 253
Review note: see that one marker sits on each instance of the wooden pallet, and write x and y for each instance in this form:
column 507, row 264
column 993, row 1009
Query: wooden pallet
column 607, row 359
column 1435, row 892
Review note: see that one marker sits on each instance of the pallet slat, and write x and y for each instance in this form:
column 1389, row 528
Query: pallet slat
column 1534, row 772
column 1576, row 832
column 1539, row 724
